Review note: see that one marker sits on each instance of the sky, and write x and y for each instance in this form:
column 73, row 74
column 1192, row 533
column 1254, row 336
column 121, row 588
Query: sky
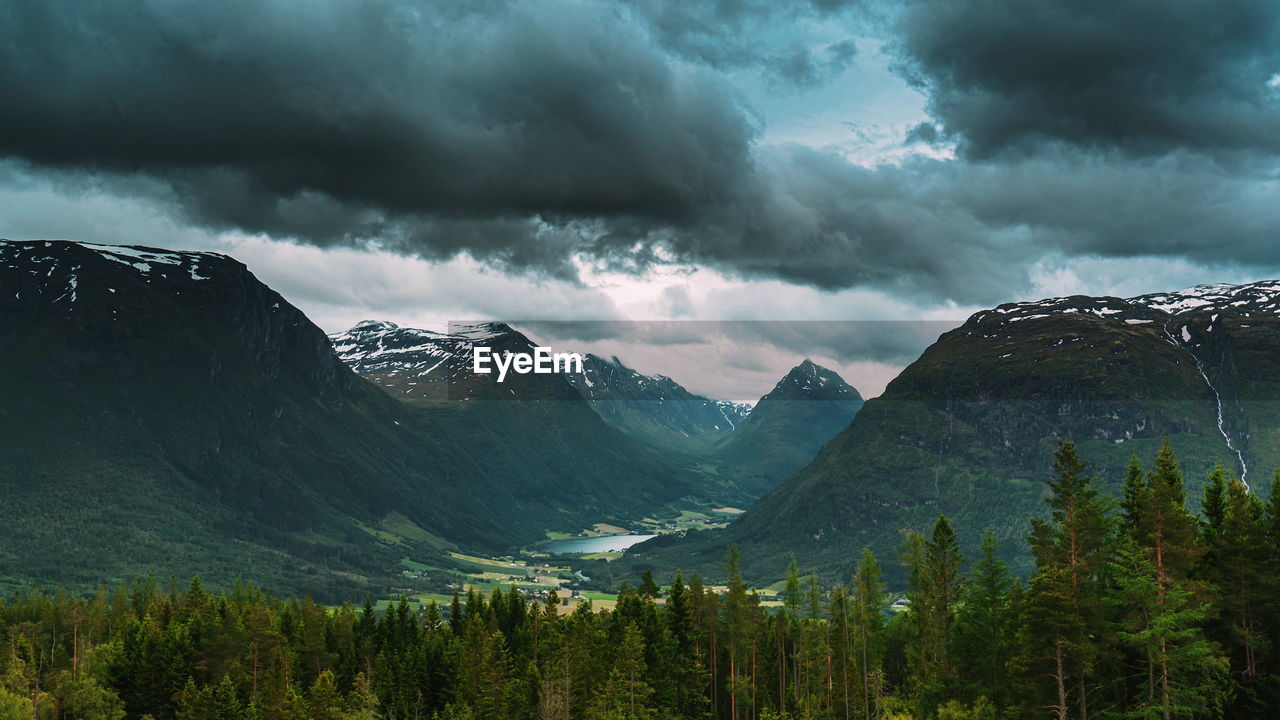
column 427, row 162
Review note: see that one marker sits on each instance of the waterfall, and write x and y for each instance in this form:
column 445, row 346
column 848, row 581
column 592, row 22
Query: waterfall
column 1244, row 468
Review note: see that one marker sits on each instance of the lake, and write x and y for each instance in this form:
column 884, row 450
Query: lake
column 605, row 543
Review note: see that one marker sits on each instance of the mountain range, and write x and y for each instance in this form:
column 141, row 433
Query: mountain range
column 967, row 430
column 167, row 413
column 730, row 453
column 655, row 408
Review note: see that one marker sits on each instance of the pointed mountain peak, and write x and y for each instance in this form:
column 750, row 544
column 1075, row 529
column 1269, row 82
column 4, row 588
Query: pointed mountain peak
column 809, row 380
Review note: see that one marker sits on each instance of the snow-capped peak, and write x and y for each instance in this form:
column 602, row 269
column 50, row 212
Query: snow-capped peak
column 1261, row 297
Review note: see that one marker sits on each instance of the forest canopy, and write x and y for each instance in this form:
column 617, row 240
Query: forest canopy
column 1137, row 607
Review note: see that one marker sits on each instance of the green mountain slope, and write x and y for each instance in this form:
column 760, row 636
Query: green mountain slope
column 550, row 456
column 786, row 428
column 655, row 408
column 168, row 413
column 740, row 451
column 968, row 428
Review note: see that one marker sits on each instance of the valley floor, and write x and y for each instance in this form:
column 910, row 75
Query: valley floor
column 536, row 571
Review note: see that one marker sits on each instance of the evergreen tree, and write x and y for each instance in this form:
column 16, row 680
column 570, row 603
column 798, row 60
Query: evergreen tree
column 1214, row 505
column 932, row 618
column 1065, row 595
column 1238, row 564
column 1159, row 616
column 485, row 686
column 985, row 629
column 868, row 635
column 1162, row 605
column 626, row 696
column 1135, row 484
column 689, row 674
column 211, row 702
column 793, row 595
column 648, row 588
column 1184, row 677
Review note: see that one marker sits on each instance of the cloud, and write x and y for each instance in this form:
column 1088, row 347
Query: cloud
column 696, row 354
column 895, row 342
column 675, row 301
column 551, row 139
column 735, row 34
column 1145, row 76
column 340, row 122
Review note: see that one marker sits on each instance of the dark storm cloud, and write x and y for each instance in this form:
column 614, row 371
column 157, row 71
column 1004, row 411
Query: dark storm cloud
column 730, row 34
column 533, row 134
column 1148, row 76
column 261, row 115
column 1180, row 205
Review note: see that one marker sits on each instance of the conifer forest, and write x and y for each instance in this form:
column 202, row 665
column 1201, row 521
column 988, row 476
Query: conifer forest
column 1137, row 608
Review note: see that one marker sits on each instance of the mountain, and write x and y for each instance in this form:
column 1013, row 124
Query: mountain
column 787, row 427
column 968, row 428
column 167, row 413
column 735, row 453
column 655, row 408
column 553, row 462
column 742, row 451
column 426, row 366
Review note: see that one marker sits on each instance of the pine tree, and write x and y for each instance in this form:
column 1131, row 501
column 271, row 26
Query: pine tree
column 1238, row 564
column 361, row 703
column 932, row 618
column 485, row 685
column 1162, row 605
column 1164, row 525
column 555, row 690
column 648, row 588
column 868, row 634
column 1135, row 484
column 1184, row 676
column 1214, row 505
column 211, row 702
column 457, row 617
column 739, row 617
column 1065, row 598
column 984, row 628
column 626, row 695
column 689, row 673
column 793, row 595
